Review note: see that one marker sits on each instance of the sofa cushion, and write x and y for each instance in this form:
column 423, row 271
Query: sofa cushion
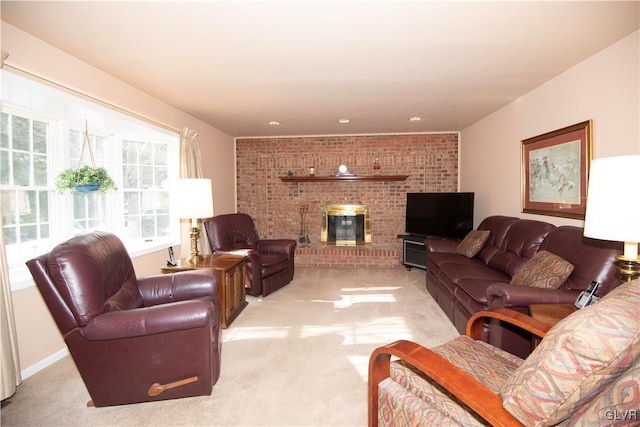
column 544, row 270
column 577, row 359
column 472, row 243
column 593, row 259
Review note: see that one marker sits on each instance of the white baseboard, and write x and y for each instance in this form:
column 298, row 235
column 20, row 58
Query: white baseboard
column 37, row 367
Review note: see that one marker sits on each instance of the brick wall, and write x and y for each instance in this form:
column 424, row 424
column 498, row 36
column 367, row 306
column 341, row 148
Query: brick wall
column 430, row 160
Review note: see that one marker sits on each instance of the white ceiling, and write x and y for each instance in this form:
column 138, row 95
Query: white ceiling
column 239, row 64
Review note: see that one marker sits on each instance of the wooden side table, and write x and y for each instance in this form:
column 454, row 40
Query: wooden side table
column 549, row 314
column 230, row 270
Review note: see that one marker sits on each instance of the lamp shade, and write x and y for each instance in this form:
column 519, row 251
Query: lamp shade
column 192, row 198
column 613, row 205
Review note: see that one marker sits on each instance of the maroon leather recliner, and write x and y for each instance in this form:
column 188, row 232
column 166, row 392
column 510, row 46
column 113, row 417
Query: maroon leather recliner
column 270, row 262
column 132, row 339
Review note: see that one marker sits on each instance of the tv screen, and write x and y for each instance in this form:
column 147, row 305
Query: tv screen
column 445, row 215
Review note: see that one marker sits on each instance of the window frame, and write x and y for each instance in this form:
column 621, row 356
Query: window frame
column 58, row 158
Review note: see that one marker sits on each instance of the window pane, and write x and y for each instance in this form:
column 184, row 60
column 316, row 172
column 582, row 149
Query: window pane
column 10, row 235
column 28, row 233
column 27, row 207
column 130, row 177
column 129, row 152
column 74, row 147
column 164, row 225
column 79, row 206
column 162, row 174
column 132, row 226
column 9, row 207
column 39, row 137
column 20, row 133
column 44, row 231
column 21, row 168
column 146, row 153
column 131, row 203
column 160, row 154
column 148, row 227
column 44, row 205
column 4, row 130
column 40, row 170
column 5, row 171
column 146, row 176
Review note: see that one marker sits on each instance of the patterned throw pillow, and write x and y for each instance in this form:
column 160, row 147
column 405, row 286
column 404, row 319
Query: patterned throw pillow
column 472, row 243
column 577, row 359
column 543, row 270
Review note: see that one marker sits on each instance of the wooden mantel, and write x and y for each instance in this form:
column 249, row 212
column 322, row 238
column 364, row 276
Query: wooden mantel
column 384, row 178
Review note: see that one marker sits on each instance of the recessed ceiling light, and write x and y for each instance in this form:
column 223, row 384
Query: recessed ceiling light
column 344, row 121
column 274, row 123
column 415, row 119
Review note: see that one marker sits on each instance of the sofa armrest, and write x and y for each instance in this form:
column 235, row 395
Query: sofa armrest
column 158, row 319
column 507, row 295
column 463, row 386
column 441, row 245
column 277, row 246
column 181, row 286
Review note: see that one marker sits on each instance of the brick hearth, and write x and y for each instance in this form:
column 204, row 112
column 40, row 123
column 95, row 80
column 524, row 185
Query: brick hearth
column 430, row 161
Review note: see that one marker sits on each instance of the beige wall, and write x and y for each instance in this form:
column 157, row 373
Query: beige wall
column 38, row 337
column 604, row 88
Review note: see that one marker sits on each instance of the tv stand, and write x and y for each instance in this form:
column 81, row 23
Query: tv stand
column 414, row 254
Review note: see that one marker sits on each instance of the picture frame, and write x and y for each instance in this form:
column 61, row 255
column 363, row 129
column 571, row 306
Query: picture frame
column 555, row 168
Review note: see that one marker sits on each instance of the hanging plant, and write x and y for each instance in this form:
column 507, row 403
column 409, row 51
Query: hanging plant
column 85, row 179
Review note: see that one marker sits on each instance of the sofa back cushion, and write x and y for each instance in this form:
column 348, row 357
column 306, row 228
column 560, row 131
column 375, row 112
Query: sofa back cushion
column 592, row 259
column 512, row 242
column 93, row 274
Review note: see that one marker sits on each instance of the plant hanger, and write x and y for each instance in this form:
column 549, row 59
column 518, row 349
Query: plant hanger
column 86, row 143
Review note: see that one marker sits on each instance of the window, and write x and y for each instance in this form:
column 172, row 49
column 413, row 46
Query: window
column 42, row 133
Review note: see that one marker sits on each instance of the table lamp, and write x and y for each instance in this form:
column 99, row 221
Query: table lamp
column 613, row 208
column 193, row 199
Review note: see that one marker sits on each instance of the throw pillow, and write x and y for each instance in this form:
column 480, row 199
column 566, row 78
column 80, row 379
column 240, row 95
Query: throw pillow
column 543, row 270
column 472, row 243
column 577, row 359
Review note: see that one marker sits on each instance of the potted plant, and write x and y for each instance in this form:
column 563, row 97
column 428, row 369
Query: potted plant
column 85, row 179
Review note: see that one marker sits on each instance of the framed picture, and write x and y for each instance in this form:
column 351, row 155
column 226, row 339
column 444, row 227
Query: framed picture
column 555, row 167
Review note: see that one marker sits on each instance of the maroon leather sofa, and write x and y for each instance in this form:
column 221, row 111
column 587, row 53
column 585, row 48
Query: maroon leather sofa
column 132, row 339
column 270, row 262
column 463, row 286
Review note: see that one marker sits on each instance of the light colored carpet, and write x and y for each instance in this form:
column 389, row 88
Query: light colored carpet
column 298, row 357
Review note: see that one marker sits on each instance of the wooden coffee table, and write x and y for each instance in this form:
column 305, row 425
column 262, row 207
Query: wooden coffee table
column 230, row 270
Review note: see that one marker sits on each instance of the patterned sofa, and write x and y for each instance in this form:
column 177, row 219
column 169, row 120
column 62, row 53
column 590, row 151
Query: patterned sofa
column 514, row 263
column 586, row 371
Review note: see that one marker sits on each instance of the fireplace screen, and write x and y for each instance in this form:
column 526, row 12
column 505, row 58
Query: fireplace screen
column 345, row 225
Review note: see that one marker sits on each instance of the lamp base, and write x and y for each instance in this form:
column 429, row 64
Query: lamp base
column 195, row 257
column 628, row 269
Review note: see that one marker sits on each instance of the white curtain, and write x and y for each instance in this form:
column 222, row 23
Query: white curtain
column 9, row 358
column 190, row 167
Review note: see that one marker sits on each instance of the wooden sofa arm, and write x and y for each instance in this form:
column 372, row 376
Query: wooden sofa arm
column 463, row 386
column 528, row 323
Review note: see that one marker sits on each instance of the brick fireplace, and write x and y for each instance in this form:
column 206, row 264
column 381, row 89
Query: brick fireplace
column 429, row 160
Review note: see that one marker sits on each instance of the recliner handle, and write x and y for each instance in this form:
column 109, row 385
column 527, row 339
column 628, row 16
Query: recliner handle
column 156, row 388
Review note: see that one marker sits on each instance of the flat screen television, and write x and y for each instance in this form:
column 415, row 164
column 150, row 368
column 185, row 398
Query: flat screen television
column 443, row 215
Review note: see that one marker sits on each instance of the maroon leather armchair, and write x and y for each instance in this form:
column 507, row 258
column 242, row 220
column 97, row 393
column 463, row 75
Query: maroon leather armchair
column 132, row 339
column 270, row 262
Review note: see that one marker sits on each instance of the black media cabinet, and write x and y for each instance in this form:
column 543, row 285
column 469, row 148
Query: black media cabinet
column 414, row 254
